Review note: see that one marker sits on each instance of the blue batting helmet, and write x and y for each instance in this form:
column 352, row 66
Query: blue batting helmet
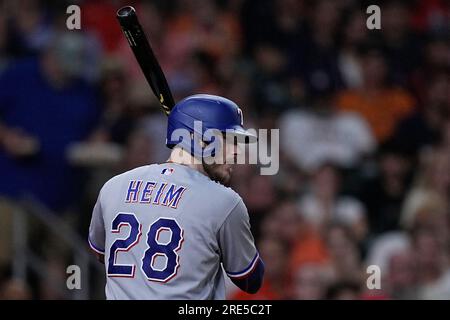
column 202, row 112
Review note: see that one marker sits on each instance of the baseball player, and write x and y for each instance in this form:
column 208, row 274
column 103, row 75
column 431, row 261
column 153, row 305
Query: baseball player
column 171, row 230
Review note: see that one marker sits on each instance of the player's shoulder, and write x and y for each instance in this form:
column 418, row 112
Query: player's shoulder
column 224, row 190
column 219, row 195
column 219, row 201
column 232, row 203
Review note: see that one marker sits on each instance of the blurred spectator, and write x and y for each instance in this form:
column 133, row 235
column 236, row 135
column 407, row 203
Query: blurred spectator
column 380, row 104
column 305, row 243
column 324, row 134
column 445, row 143
column 14, row 289
column 126, row 109
column 270, row 93
column 435, row 63
column 385, row 246
column 197, row 26
column 284, row 223
column 425, row 126
column 30, row 27
column 7, row 210
column 344, row 254
column 354, row 33
column 311, row 281
column 92, row 52
column 44, row 106
column 427, row 202
column 400, row 44
column 199, row 75
column 117, row 119
column 427, row 209
column 138, row 151
column 343, row 291
column 4, row 54
column 53, row 285
column 382, row 254
column 259, row 196
column 278, row 22
column 99, row 17
column 323, row 204
column 432, row 263
column 315, row 55
column 383, row 193
column 401, row 278
column 290, row 180
column 431, row 15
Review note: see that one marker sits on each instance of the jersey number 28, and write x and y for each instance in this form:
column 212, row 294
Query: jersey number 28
column 154, row 249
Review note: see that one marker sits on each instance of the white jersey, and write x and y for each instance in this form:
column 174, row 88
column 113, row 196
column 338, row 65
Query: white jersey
column 165, row 231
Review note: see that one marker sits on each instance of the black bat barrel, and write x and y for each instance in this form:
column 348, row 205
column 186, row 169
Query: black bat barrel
column 130, row 25
column 144, row 54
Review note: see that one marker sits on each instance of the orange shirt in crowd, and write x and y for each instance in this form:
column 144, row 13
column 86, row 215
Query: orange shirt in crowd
column 382, row 110
column 308, row 249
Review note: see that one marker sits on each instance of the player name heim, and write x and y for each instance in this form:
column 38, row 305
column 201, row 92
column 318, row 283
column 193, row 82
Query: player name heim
column 156, row 193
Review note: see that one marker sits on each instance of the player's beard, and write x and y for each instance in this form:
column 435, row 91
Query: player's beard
column 218, row 172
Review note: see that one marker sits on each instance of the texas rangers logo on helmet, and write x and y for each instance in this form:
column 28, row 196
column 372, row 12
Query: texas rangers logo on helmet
column 241, row 116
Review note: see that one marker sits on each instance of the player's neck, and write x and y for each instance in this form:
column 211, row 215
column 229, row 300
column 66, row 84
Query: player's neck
column 183, row 157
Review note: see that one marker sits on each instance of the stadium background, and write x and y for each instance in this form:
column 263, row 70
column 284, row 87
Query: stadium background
column 363, row 116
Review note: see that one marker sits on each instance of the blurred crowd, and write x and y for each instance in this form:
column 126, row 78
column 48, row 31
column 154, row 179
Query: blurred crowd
column 364, row 119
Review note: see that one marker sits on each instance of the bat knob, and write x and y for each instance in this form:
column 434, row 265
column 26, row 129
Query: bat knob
column 126, row 11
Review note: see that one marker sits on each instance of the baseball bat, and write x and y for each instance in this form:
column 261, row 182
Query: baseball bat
column 143, row 52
